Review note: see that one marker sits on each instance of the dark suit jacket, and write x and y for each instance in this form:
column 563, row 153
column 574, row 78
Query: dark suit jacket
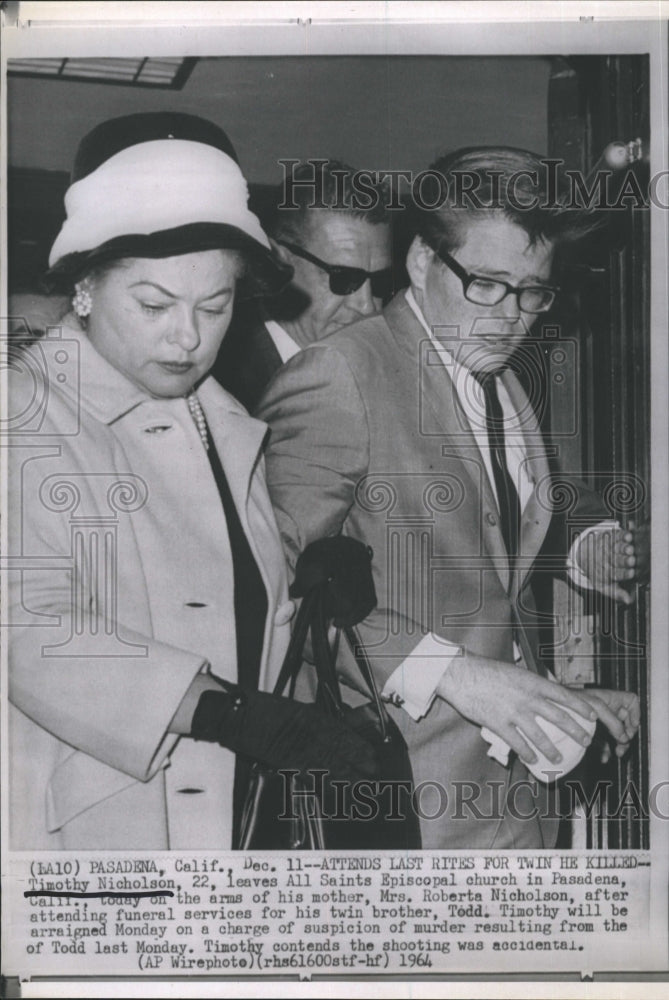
column 368, row 437
column 248, row 357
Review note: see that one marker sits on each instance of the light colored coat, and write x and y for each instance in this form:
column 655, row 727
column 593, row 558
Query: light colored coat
column 368, row 437
column 120, row 591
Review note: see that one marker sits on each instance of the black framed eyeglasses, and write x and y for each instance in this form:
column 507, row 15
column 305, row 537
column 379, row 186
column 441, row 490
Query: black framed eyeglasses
column 345, row 280
column 491, row 291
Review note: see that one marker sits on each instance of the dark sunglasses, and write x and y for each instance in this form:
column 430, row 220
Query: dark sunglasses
column 346, row 280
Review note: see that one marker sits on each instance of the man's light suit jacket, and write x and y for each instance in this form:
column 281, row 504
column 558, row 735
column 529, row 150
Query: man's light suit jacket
column 368, row 438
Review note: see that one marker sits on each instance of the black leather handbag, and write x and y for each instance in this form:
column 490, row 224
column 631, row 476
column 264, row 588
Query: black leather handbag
column 308, row 811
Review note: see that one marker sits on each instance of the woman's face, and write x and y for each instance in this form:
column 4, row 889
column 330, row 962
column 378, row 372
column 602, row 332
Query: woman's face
column 161, row 322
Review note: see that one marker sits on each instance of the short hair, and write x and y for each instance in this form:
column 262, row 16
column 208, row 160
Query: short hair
column 320, row 186
column 493, row 181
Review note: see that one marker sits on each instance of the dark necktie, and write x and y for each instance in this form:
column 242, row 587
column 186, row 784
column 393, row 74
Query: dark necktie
column 509, row 503
column 507, row 494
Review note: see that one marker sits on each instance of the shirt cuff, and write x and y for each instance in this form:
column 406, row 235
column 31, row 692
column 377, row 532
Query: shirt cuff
column 576, row 574
column 413, row 685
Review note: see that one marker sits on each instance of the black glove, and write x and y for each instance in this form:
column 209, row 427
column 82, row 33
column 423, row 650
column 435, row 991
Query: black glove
column 282, row 734
column 345, row 565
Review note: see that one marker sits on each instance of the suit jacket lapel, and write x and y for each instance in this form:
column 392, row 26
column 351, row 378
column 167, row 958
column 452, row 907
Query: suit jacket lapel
column 439, row 395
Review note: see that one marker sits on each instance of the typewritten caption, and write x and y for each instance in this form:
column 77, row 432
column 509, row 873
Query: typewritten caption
column 311, row 914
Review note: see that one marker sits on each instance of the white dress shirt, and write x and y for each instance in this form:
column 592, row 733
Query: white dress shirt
column 283, row 342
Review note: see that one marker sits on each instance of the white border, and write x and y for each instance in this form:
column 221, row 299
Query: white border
column 479, row 29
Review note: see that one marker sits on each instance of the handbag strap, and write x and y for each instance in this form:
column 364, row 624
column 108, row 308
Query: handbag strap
column 292, row 661
column 364, row 666
column 329, row 695
column 312, row 617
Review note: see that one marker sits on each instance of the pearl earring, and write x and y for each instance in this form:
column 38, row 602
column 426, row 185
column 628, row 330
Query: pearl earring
column 81, row 301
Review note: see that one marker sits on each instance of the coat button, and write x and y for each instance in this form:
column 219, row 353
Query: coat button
column 490, row 518
column 284, row 613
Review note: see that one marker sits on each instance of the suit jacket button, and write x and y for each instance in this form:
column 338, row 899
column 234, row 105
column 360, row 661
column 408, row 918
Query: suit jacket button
column 490, row 518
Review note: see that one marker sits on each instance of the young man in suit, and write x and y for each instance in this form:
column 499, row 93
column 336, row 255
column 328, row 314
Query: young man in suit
column 410, row 431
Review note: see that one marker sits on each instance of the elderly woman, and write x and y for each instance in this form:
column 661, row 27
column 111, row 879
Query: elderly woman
column 148, row 599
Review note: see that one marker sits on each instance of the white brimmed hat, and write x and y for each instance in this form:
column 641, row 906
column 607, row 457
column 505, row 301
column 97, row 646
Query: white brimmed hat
column 160, row 184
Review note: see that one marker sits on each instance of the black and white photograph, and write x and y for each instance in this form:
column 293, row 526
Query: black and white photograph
column 334, row 471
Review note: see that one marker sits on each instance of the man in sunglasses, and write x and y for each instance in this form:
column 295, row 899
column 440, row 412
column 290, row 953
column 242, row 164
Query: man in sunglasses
column 341, row 257
column 411, row 431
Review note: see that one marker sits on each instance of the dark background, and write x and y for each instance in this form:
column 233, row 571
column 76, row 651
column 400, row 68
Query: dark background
column 372, row 112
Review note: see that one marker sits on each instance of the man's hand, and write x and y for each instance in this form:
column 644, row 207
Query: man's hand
column 507, row 700
column 620, row 712
column 613, row 557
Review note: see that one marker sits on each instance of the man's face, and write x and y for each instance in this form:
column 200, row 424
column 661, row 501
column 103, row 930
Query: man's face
column 335, row 238
column 482, row 337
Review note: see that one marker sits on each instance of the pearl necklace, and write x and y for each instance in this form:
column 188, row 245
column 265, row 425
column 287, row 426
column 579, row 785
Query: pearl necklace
column 197, row 413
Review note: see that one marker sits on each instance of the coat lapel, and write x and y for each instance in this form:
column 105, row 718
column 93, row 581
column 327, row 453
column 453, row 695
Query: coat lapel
column 239, row 440
column 439, row 395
